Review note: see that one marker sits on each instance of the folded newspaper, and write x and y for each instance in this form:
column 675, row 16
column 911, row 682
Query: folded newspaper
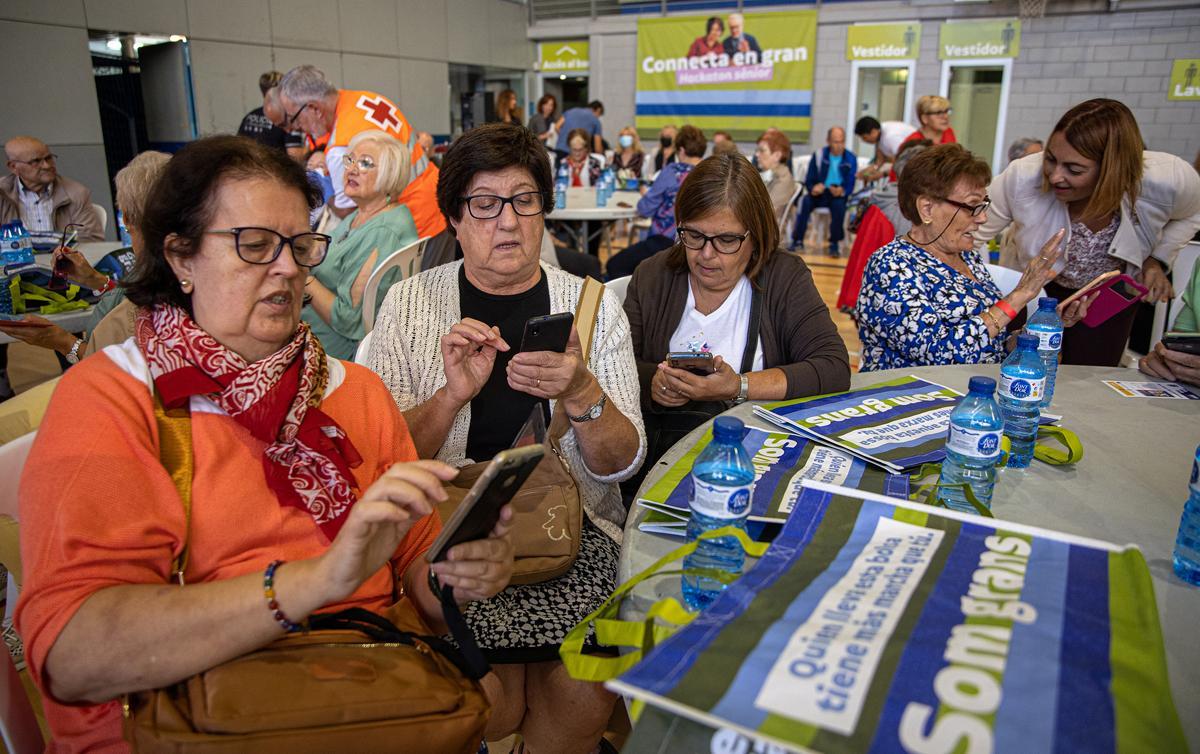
column 781, row 461
column 878, row 625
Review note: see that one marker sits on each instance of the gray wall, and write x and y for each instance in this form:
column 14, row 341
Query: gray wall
column 1078, row 51
column 401, row 48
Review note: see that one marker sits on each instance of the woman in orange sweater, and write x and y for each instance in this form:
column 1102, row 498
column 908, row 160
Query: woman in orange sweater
column 304, row 470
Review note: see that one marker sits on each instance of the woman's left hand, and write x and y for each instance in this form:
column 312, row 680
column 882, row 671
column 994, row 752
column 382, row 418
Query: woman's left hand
column 1075, row 311
column 482, row 568
column 1155, row 278
column 722, row 385
column 552, row 375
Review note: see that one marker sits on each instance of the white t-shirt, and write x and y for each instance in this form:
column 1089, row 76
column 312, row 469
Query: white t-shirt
column 892, row 134
column 722, row 333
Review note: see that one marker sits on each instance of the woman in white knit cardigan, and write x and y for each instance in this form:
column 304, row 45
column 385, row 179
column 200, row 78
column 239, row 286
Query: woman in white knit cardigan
column 446, row 345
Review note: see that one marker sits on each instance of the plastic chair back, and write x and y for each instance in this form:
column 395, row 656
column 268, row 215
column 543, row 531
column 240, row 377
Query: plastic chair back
column 789, row 213
column 408, row 259
column 103, row 215
column 364, row 347
column 619, row 286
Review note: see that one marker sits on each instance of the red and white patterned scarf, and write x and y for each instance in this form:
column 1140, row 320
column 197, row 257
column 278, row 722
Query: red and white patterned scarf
column 308, row 456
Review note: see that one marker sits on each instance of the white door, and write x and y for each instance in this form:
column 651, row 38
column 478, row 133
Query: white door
column 882, row 90
column 978, row 94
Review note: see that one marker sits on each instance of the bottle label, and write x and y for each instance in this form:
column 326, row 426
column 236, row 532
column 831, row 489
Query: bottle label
column 974, row 443
column 720, row 500
column 1048, row 340
column 1022, row 389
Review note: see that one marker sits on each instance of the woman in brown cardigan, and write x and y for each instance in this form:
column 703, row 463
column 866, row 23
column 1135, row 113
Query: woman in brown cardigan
column 724, row 289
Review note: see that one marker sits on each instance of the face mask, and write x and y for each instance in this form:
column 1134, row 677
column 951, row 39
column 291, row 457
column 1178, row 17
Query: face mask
column 626, row 141
column 666, row 141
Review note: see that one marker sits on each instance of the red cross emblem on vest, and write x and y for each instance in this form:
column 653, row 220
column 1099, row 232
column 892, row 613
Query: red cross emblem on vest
column 380, row 112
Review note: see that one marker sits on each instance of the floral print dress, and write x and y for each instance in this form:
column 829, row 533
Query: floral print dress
column 915, row 310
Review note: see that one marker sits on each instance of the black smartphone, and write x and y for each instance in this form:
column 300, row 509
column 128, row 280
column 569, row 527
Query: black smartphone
column 480, row 509
column 1186, row 342
column 696, row 363
column 548, row 333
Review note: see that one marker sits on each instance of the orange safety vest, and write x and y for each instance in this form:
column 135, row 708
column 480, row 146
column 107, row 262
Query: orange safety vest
column 359, row 111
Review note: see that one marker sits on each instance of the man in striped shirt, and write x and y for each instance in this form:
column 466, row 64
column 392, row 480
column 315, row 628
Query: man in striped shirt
column 39, row 197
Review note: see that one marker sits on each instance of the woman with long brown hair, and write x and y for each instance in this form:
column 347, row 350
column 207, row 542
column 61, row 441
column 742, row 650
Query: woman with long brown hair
column 1123, row 208
column 507, row 110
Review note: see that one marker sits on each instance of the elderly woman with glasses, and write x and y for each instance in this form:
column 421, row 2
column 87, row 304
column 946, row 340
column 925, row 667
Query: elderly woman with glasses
column 933, row 113
column 305, row 489
column 376, row 172
column 724, row 289
column 927, row 298
column 448, row 346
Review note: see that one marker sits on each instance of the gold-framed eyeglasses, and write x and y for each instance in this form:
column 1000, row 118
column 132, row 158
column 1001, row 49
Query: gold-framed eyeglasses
column 723, row 243
column 263, row 245
column 364, row 164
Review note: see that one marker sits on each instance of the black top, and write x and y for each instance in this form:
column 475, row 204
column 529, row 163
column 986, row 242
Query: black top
column 499, row 412
column 257, row 126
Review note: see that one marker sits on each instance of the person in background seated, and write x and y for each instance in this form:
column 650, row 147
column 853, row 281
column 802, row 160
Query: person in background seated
column 629, row 160
column 302, row 466
column 446, row 345
column 112, row 315
column 702, row 296
column 665, row 154
column 1168, row 364
column 933, row 113
column 830, row 179
column 710, row 43
column 1123, row 206
column 320, row 109
column 584, row 167
column 542, row 122
column 39, row 197
column 772, row 146
column 585, row 118
column 886, row 137
column 927, row 298
column 1023, row 147
column 507, row 109
column 376, row 170
column 723, row 143
column 658, row 204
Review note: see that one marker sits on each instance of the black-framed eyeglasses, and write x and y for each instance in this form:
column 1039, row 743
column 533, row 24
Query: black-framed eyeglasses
column 292, row 118
column 263, row 245
column 723, row 243
column 975, row 209
column 46, row 159
column 489, row 206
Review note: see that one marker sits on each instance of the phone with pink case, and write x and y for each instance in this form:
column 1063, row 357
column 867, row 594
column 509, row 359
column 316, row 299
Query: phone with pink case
column 1113, row 298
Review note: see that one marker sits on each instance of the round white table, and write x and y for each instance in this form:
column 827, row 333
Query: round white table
column 1129, row 487
column 581, row 207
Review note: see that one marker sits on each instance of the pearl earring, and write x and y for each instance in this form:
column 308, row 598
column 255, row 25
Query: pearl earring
column 926, row 220
column 186, row 286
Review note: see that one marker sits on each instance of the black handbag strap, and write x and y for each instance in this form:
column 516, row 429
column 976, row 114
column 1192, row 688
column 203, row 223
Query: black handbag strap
column 752, row 330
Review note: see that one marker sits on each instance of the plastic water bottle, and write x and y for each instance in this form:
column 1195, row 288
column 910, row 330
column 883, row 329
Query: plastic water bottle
column 722, row 479
column 1022, row 383
column 1187, row 542
column 973, row 447
column 1048, row 327
column 561, row 182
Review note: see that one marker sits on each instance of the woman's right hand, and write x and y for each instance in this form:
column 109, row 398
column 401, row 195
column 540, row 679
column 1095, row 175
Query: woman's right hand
column 468, row 354
column 1039, row 272
column 379, row 521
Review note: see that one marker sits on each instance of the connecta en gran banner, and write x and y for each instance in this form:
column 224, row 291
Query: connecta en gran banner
column 733, row 72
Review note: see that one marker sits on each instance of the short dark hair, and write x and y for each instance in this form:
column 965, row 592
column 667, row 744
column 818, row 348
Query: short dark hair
column 487, row 148
column 183, row 200
column 866, row 125
column 691, row 140
column 269, row 81
column 713, row 20
column 935, row 171
column 728, row 181
column 597, row 105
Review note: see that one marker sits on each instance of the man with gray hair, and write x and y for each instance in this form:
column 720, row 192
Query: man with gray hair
column 39, row 197
column 318, row 108
column 1023, row 147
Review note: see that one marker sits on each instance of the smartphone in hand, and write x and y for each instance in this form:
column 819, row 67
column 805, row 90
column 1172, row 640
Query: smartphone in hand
column 696, row 363
column 548, row 333
column 1184, row 342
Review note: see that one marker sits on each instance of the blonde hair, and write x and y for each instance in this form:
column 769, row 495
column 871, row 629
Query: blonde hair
column 392, row 173
column 931, row 103
column 134, row 182
column 637, row 142
column 1105, row 131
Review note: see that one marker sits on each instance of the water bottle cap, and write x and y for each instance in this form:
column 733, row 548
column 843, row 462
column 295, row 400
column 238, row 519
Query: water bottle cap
column 1027, row 342
column 728, row 429
column 1047, row 302
column 982, row 385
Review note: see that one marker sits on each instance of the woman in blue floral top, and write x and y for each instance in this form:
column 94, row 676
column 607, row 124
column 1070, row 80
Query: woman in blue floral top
column 927, row 298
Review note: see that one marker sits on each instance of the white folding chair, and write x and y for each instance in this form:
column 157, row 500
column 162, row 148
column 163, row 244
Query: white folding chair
column 408, row 259
column 18, row 724
column 1006, row 280
column 102, row 214
column 789, row 214
column 603, row 160
column 364, row 346
column 619, row 286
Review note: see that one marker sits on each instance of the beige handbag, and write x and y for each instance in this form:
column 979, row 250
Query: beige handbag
column 548, row 508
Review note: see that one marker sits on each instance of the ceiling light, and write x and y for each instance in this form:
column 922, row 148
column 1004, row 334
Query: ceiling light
column 113, row 44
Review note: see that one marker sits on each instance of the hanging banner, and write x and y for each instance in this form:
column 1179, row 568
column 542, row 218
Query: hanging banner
column 1185, row 80
column 900, row 41
column 737, row 73
column 994, row 38
column 563, row 56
